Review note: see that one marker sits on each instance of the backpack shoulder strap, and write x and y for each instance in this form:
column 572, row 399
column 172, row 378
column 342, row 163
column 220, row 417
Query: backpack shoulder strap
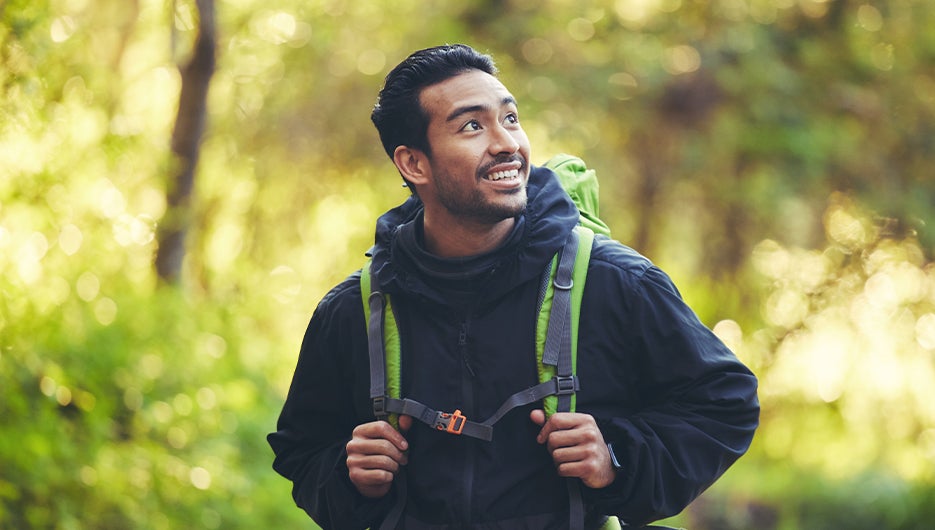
column 383, row 346
column 556, row 346
column 557, row 328
column 557, row 325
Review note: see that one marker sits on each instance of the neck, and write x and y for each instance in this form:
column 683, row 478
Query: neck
column 465, row 239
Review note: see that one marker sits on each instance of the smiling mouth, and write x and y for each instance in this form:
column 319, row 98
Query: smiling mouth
column 503, row 175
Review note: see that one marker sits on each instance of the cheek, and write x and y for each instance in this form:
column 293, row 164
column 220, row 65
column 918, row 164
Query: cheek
column 522, row 140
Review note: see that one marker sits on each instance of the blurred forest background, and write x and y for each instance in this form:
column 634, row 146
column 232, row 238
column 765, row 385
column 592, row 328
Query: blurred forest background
column 158, row 268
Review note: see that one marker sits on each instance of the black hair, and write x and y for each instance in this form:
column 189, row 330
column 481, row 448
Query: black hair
column 398, row 114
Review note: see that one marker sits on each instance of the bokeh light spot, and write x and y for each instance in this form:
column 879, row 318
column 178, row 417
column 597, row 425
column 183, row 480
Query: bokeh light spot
column 786, row 308
column 63, row 396
column 925, row 331
column 88, row 286
column 88, row 475
column 883, row 56
column 183, row 404
column 62, row 28
column 371, row 62
column 681, row 59
column 105, row 311
column 47, row 386
column 580, row 29
column 162, row 412
column 206, row 398
column 537, row 51
column 200, row 478
column 542, row 88
column 730, row 332
column 70, row 239
column 177, row 437
column 869, row 18
column 285, row 285
column 845, row 229
column 212, row 345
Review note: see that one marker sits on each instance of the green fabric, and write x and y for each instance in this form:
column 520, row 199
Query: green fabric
column 581, row 184
column 392, row 344
column 546, row 372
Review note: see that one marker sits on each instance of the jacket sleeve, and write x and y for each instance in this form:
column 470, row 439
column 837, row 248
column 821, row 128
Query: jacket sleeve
column 324, row 404
column 688, row 408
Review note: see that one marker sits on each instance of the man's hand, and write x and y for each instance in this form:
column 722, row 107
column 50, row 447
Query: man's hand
column 577, row 447
column 374, row 455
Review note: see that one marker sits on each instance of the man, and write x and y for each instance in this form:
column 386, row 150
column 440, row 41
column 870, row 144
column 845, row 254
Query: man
column 664, row 408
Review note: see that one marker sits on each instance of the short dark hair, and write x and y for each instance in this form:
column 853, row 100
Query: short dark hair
column 398, row 114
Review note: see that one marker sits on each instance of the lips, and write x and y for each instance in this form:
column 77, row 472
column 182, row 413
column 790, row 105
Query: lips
column 503, row 168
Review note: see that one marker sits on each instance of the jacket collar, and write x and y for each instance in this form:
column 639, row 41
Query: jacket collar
column 401, row 265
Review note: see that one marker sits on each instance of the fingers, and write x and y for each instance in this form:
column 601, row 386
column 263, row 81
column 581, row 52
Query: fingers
column 381, row 430
column 405, row 423
column 374, row 455
column 569, row 429
column 560, row 421
column 538, row 417
column 577, row 448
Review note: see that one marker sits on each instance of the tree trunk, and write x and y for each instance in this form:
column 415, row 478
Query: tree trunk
column 186, row 141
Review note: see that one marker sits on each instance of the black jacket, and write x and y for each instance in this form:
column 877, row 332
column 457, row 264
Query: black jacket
column 676, row 403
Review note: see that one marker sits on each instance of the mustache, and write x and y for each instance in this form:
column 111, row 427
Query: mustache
column 502, row 159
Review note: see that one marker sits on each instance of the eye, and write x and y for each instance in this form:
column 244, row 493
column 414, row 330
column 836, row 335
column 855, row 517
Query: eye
column 472, row 125
column 512, row 118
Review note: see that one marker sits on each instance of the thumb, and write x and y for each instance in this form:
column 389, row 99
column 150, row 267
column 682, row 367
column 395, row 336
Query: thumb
column 405, row 423
column 538, row 417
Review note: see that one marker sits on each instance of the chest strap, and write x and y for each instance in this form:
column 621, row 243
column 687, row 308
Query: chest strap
column 557, row 353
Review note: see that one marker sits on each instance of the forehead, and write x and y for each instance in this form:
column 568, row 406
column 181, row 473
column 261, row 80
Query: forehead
column 466, row 90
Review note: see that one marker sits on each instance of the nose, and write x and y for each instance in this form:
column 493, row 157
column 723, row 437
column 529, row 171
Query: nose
column 503, row 141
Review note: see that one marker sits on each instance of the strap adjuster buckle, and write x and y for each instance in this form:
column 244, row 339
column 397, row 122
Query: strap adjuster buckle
column 452, row 423
column 565, row 386
column 379, row 407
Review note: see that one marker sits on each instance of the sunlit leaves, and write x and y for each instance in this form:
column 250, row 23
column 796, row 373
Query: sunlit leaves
column 854, row 324
column 138, row 407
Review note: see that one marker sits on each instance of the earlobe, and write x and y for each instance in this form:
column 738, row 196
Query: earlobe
column 412, row 164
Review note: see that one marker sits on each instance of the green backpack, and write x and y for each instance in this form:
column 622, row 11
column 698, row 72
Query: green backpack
column 556, row 344
column 556, row 333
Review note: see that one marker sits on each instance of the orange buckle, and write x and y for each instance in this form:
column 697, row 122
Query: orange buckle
column 455, row 423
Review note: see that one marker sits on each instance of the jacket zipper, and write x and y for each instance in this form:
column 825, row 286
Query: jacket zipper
column 467, row 400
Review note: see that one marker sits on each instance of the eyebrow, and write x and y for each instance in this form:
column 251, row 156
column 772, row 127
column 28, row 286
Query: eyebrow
column 509, row 100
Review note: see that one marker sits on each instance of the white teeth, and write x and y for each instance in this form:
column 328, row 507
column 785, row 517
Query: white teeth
column 500, row 175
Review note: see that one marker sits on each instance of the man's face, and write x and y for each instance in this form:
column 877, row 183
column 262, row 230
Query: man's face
column 480, row 153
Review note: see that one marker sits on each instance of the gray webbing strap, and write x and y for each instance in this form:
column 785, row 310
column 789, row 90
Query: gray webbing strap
column 575, row 504
column 378, row 395
column 396, row 512
column 453, row 423
column 377, row 355
column 553, row 387
column 557, row 349
column 557, row 352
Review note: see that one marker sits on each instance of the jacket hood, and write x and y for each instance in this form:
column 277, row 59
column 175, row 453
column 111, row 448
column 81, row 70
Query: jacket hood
column 539, row 233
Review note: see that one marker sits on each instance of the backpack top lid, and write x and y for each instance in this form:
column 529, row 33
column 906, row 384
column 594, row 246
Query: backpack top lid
column 581, row 185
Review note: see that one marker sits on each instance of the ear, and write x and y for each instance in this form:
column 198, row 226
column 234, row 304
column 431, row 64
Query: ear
column 412, row 164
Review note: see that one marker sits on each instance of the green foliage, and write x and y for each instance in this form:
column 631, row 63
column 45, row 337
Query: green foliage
column 138, row 409
column 778, row 497
column 774, row 157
